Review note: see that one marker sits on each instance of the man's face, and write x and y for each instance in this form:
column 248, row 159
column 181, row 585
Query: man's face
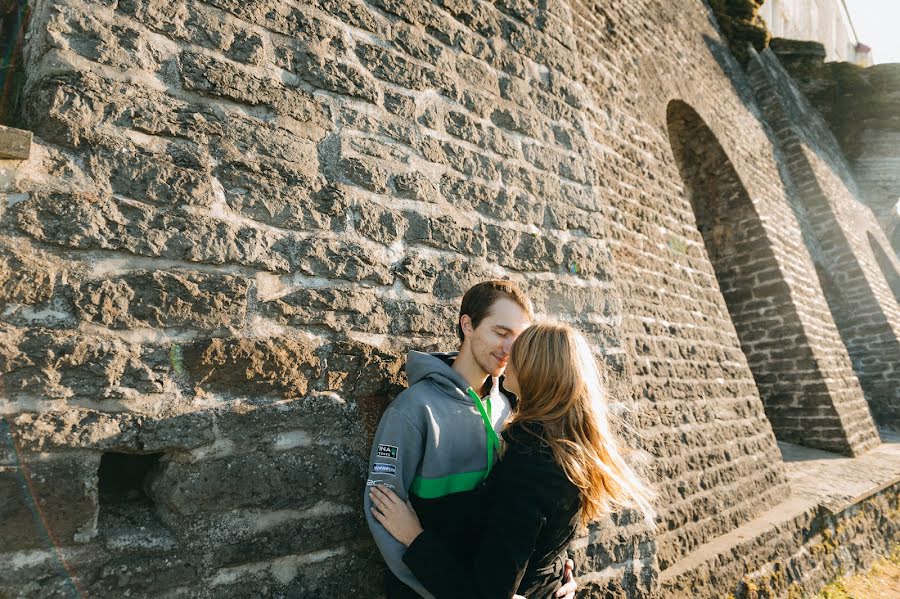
column 491, row 342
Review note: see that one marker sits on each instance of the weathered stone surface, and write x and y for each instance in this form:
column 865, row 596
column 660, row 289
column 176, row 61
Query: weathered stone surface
column 322, row 70
column 164, row 299
column 247, row 213
column 352, row 308
column 110, row 431
column 102, row 223
column 290, row 479
column 97, row 39
column 197, row 24
column 14, row 143
column 279, row 194
column 86, row 222
column 360, row 370
column 56, row 364
column 251, row 367
column 205, row 74
column 178, row 175
column 306, row 576
column 27, row 275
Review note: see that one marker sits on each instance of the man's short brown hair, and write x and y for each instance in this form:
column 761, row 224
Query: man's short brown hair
column 479, row 298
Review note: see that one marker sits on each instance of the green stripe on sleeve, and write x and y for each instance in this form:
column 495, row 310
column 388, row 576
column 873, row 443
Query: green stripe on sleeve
column 432, row 488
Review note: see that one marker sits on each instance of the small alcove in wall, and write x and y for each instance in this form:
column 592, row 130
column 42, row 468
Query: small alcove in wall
column 122, row 486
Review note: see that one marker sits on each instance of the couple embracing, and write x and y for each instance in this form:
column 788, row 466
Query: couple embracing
column 483, row 470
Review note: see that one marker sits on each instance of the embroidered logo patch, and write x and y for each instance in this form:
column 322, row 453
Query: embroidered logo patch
column 384, row 468
column 387, row 451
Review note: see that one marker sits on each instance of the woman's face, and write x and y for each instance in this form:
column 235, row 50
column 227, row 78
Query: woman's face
column 511, row 380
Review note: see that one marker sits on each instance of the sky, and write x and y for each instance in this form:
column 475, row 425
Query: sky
column 877, row 23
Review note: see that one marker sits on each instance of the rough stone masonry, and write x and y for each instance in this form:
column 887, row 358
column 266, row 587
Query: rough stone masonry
column 235, row 218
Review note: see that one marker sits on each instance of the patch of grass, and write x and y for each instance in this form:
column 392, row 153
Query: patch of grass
column 882, row 581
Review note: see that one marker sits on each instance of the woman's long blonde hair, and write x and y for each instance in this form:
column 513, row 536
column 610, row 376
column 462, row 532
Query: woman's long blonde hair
column 560, row 389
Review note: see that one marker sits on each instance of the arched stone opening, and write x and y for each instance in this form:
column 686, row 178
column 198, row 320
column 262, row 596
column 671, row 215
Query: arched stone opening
column 794, row 392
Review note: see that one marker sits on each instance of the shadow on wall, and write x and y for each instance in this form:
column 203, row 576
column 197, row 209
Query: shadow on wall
column 891, row 275
column 799, row 135
column 758, row 299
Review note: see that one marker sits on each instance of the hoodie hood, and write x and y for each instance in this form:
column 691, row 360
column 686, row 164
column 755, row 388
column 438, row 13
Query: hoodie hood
column 437, row 368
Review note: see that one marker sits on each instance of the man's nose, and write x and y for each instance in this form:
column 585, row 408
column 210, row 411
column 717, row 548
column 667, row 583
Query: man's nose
column 507, row 346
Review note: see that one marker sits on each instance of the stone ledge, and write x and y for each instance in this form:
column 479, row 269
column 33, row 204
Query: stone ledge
column 827, row 493
column 15, row 144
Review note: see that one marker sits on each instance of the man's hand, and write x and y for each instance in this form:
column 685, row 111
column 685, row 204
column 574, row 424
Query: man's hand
column 397, row 516
column 568, row 590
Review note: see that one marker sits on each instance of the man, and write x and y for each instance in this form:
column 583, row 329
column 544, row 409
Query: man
column 438, row 439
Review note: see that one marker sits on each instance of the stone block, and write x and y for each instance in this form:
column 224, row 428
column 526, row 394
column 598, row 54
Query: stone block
column 399, row 104
column 478, row 75
column 197, row 24
column 470, row 163
column 397, row 69
column 419, row 271
column 433, row 321
column 27, row 275
column 123, row 432
column 464, row 127
column 303, row 575
column 317, row 65
column 382, row 224
column 162, row 573
column 365, row 172
column 89, row 222
column 335, row 258
column 419, row 13
column 64, row 364
column 353, row 308
column 271, row 192
column 292, row 479
column 291, row 532
column 445, row 232
column 274, row 425
column 416, row 186
column 120, row 46
column 360, row 370
column 15, row 143
column 177, row 176
column 415, row 43
column 174, row 298
column 204, row 74
column 251, row 367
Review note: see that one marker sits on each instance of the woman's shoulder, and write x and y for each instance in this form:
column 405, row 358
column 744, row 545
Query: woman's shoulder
column 525, row 441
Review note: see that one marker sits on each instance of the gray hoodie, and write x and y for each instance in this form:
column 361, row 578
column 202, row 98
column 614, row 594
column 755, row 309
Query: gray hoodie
column 431, row 443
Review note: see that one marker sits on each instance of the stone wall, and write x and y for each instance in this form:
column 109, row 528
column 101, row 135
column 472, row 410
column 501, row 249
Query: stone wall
column 860, row 106
column 237, row 217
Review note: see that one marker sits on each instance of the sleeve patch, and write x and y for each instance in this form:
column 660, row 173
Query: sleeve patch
column 387, row 451
column 384, row 468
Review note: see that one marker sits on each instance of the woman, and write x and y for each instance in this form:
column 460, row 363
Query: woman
column 561, row 467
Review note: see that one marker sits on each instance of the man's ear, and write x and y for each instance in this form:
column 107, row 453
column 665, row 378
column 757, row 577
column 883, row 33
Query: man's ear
column 465, row 321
